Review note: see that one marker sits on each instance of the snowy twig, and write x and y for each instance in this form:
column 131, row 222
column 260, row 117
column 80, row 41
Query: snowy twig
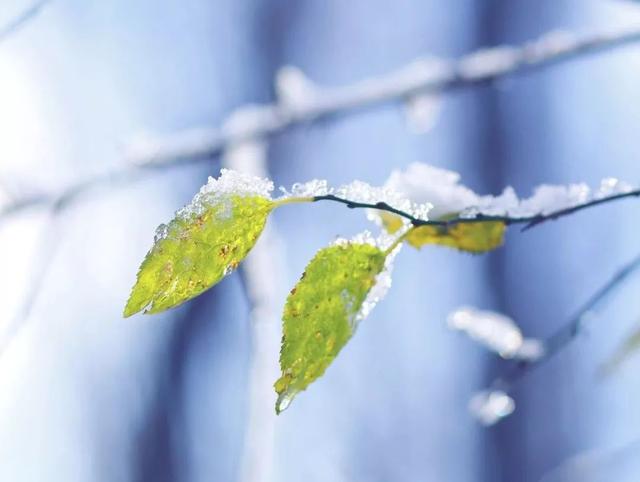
column 478, row 67
column 529, row 221
column 23, row 18
column 566, row 333
column 74, row 192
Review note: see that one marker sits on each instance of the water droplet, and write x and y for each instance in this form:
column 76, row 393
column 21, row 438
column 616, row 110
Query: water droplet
column 284, row 400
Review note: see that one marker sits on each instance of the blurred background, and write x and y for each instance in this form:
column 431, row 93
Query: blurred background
column 86, row 395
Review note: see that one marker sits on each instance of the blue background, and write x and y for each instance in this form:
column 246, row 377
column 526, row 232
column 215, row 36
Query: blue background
column 88, row 396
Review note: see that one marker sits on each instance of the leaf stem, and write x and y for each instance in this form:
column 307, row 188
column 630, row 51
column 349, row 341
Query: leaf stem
column 292, row 200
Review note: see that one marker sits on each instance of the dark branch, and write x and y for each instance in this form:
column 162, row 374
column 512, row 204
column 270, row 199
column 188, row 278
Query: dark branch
column 529, row 221
column 568, row 332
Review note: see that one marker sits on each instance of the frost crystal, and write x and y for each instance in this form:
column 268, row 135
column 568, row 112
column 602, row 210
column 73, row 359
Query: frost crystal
column 427, row 184
column 383, row 280
column 380, row 288
column 496, row 332
column 491, row 406
column 360, row 192
column 229, row 182
column 315, row 187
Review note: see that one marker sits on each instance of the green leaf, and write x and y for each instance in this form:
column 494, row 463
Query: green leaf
column 478, row 237
column 197, row 249
column 322, row 311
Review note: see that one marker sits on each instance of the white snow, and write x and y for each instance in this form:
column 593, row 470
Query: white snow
column 229, row 182
column 422, row 112
column 294, row 89
column 360, row 192
column 379, row 290
column 491, row 406
column 383, row 279
column 422, row 183
column 496, row 332
column 315, row 187
column 441, row 188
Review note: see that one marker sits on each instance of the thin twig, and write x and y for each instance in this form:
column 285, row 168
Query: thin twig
column 46, row 248
column 483, row 66
column 22, row 19
column 568, row 332
column 529, row 221
column 74, row 192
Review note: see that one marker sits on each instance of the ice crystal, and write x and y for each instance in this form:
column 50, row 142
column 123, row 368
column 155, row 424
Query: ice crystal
column 491, row 406
column 380, row 288
column 229, row 182
column 360, row 192
column 315, row 187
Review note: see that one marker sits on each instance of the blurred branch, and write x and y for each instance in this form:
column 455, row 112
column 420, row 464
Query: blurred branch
column 74, row 192
column 568, row 332
column 479, row 67
column 529, row 221
column 263, row 263
column 46, row 248
column 15, row 24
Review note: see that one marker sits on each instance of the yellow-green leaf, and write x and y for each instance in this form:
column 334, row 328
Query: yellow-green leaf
column 474, row 237
column 197, row 249
column 322, row 311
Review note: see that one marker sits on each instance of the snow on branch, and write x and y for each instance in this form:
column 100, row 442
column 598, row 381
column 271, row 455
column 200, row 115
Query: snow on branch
column 301, row 101
column 491, row 405
column 450, row 203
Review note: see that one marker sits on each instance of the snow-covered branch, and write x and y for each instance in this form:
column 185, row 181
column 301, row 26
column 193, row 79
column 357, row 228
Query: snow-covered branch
column 484, row 406
column 300, row 101
column 471, row 217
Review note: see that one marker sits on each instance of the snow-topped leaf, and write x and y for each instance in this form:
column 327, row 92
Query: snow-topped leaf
column 203, row 243
column 322, row 312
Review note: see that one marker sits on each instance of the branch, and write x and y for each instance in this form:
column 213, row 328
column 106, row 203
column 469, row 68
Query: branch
column 483, row 66
column 529, row 221
column 479, row 67
column 568, row 332
column 23, row 18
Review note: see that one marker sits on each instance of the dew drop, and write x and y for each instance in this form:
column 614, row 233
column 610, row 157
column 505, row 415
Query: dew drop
column 284, row 400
